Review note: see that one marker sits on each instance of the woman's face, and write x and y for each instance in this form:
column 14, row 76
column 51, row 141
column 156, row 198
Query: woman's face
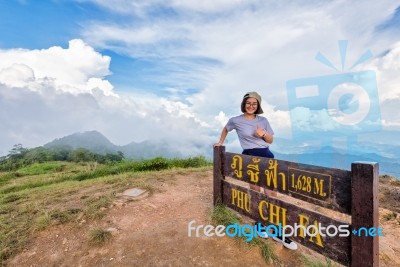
column 251, row 105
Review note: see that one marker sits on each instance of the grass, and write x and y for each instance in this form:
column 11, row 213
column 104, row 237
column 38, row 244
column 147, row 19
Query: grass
column 96, row 206
column 43, row 168
column 222, row 215
column 40, row 195
column 266, row 250
column 310, row 263
column 99, row 236
column 390, row 216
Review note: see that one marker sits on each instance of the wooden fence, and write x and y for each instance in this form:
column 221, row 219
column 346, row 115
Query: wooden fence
column 352, row 192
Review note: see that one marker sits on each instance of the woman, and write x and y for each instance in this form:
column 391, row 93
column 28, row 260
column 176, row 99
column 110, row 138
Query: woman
column 254, row 132
column 255, row 135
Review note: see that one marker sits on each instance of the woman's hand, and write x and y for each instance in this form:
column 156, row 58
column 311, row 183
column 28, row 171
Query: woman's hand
column 217, row 144
column 260, row 132
column 264, row 135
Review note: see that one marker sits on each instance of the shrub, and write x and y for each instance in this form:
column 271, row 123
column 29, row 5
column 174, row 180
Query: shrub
column 99, row 236
column 155, row 164
column 390, row 216
column 192, row 162
column 223, row 215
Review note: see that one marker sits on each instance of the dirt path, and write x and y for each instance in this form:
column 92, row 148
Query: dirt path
column 154, row 232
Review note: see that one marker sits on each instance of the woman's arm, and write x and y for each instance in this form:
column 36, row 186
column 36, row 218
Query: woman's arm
column 222, row 138
column 269, row 138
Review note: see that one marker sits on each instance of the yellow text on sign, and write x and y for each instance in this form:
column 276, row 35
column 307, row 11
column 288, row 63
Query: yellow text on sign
column 310, row 184
column 240, row 199
column 272, row 213
column 316, row 236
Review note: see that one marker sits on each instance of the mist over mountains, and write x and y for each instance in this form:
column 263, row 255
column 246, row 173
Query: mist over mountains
column 325, row 156
column 98, row 143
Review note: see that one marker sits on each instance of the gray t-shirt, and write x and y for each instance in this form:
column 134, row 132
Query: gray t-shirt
column 246, row 130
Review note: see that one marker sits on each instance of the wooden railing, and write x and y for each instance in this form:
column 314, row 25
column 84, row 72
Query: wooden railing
column 352, row 192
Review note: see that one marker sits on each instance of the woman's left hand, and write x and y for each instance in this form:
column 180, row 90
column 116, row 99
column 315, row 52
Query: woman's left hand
column 260, row 132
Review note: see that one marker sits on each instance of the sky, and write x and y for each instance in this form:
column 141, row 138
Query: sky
column 177, row 70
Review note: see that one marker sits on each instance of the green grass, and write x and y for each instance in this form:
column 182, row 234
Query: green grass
column 95, row 206
column 99, row 236
column 390, row 216
column 43, row 168
column 40, row 195
column 221, row 215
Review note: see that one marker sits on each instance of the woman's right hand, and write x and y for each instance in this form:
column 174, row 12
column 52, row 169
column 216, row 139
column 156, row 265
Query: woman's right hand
column 217, row 144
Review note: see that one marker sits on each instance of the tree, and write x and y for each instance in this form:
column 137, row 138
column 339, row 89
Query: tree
column 17, row 152
column 38, row 154
column 81, row 154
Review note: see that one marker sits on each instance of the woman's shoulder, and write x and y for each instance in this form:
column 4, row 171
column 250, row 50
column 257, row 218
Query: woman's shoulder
column 238, row 117
column 259, row 117
column 235, row 119
column 262, row 119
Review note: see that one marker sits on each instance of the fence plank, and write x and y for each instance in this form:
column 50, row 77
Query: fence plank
column 365, row 204
column 326, row 187
column 219, row 152
column 274, row 211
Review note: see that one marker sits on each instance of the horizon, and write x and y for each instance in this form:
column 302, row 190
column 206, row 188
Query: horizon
column 326, row 156
column 177, row 70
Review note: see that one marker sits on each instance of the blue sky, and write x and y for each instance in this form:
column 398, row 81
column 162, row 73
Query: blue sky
column 178, row 69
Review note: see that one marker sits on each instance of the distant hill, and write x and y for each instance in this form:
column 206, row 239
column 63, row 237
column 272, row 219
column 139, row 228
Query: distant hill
column 92, row 140
column 150, row 149
column 343, row 161
column 98, row 143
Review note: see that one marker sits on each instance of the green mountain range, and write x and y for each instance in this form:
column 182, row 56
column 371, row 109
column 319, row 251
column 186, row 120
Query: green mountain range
column 98, row 143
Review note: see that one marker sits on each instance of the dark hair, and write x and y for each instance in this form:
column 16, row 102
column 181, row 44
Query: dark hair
column 243, row 106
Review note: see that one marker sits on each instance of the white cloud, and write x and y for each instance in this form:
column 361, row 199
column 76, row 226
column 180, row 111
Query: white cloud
column 66, row 92
column 17, row 75
column 256, row 45
column 76, row 69
column 221, row 48
column 387, row 69
column 221, row 119
column 34, row 118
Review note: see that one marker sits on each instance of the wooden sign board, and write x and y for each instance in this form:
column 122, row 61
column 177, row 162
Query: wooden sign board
column 352, row 192
column 268, row 211
column 326, row 187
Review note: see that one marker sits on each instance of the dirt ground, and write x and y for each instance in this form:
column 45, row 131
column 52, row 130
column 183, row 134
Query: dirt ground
column 153, row 231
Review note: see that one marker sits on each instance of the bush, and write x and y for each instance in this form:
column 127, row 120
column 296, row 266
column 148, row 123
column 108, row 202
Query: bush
column 99, row 236
column 192, row 162
column 155, row 164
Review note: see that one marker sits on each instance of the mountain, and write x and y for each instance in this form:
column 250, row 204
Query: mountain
column 150, row 149
column 342, row 161
column 98, row 143
column 92, row 141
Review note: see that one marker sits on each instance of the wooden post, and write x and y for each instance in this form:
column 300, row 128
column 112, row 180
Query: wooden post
column 364, row 213
column 218, row 177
